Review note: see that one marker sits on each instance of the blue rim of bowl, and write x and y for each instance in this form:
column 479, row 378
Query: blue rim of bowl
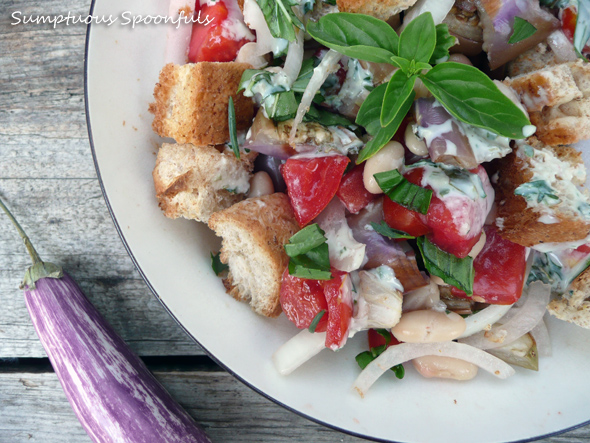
column 147, row 282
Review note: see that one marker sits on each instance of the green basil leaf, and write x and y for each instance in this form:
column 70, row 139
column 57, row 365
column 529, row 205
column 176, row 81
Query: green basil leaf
column 284, row 106
column 364, row 358
column 582, row 32
column 330, row 2
column 327, row 118
column 399, row 88
column 378, row 350
column 521, row 30
column 400, row 62
column 399, row 371
column 314, row 323
column 356, row 35
column 304, row 75
column 305, row 240
column 216, row 264
column 384, row 135
column 453, row 270
column 444, row 41
column 385, row 230
column 470, row 96
column 401, row 191
column 418, row 40
column 231, row 123
column 537, row 190
column 280, row 18
column 369, row 114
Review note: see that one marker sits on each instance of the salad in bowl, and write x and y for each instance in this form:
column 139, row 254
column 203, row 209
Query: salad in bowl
column 400, row 169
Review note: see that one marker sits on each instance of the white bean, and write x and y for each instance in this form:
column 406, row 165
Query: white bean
column 414, row 144
column 260, row 184
column 389, row 158
column 444, row 367
column 478, row 246
column 460, row 58
column 428, row 326
column 421, row 90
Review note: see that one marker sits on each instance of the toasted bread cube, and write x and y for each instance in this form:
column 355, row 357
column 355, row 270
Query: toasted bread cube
column 192, row 99
column 382, row 9
column 536, row 58
column 195, row 181
column 532, row 222
column 565, row 124
column 551, row 86
column 254, row 233
column 573, row 306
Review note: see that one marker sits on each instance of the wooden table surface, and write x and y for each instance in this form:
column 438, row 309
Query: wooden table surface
column 47, row 177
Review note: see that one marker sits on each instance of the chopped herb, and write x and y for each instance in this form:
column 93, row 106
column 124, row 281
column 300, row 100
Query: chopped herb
column 280, row 18
column 399, row 371
column 401, row 191
column 385, row 333
column 364, row 358
column 233, row 133
column 453, row 270
column 537, row 190
column 385, row 230
column 216, row 264
column 522, row 30
column 314, row 323
column 309, row 255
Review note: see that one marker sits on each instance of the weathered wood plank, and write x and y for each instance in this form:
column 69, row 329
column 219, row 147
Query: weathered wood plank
column 34, row 408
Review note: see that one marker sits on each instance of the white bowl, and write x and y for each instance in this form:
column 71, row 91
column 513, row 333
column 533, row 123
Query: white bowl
column 173, row 257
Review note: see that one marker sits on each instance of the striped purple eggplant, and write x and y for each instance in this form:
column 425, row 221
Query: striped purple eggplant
column 112, row 392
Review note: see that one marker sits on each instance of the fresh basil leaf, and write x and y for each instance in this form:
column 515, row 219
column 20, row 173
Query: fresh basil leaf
column 370, row 111
column 401, row 191
column 417, row 67
column 418, row 40
column 521, row 30
column 327, row 118
column 304, row 76
column 305, row 240
column 247, row 77
column 453, row 270
column 385, row 230
column 444, row 41
column 364, row 358
column 399, row 371
column 537, row 190
column 284, row 106
column 216, row 264
column 330, row 2
column 400, row 62
column 233, row 132
column 384, row 135
column 356, row 35
column 582, row 32
column 399, row 88
column 280, row 18
column 378, row 350
column 314, row 323
column 470, row 96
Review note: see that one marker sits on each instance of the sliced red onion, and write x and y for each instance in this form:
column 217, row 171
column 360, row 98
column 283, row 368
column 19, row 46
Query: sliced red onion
column 404, row 352
column 542, row 338
column 384, row 251
column 561, row 46
column 522, row 322
column 346, row 254
column 328, row 65
column 272, row 166
column 444, row 138
column 497, row 19
column 484, row 319
column 178, row 36
column 299, row 349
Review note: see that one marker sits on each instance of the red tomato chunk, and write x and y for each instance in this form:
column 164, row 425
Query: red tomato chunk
column 352, row 192
column 312, row 183
column 499, row 270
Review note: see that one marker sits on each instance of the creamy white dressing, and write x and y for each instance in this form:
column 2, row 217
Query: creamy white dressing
column 354, row 88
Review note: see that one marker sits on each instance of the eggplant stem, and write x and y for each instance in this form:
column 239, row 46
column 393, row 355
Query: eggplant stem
column 30, row 248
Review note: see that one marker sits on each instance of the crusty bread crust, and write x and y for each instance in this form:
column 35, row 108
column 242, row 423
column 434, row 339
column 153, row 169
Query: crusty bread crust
column 254, row 233
column 521, row 224
column 382, row 9
column 189, row 180
column 192, row 99
column 573, row 306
